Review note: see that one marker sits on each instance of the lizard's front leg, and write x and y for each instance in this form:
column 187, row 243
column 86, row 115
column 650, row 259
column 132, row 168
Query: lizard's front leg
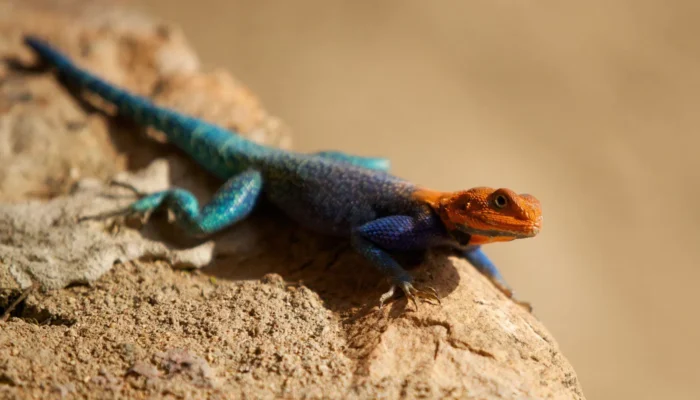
column 395, row 233
column 234, row 201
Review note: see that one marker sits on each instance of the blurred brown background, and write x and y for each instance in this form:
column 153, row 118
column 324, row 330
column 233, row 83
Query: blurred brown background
column 590, row 106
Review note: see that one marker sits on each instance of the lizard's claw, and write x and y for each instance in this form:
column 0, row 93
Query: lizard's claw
column 430, row 294
column 129, row 187
column 386, row 296
column 105, row 215
column 511, row 295
column 122, row 212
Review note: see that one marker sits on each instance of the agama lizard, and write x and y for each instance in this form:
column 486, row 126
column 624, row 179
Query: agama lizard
column 330, row 192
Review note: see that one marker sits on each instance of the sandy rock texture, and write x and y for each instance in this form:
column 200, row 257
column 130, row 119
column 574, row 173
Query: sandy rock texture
column 130, row 309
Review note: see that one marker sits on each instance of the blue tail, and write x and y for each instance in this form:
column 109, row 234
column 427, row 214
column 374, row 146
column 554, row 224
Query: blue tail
column 134, row 106
column 199, row 139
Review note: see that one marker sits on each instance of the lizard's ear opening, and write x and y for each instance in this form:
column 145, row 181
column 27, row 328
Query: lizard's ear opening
column 456, row 209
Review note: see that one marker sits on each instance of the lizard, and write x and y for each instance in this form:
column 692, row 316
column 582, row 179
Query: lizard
column 330, row 192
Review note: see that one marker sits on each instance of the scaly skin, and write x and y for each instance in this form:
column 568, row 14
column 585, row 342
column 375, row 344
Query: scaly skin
column 331, row 192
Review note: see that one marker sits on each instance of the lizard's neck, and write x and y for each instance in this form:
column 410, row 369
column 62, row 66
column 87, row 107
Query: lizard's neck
column 433, row 199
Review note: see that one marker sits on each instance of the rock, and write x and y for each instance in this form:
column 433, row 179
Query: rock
column 264, row 310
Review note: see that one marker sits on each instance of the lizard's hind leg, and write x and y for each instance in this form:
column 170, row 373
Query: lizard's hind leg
column 234, row 201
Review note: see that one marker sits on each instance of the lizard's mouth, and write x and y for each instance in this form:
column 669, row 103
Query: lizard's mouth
column 536, row 226
column 529, row 229
column 513, row 229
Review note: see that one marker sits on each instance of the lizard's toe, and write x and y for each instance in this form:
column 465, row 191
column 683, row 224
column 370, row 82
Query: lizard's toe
column 124, row 212
column 129, row 187
column 524, row 304
column 430, row 294
column 386, row 296
column 502, row 287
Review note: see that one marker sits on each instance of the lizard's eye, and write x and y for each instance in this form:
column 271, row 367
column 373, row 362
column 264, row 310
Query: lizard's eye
column 500, row 201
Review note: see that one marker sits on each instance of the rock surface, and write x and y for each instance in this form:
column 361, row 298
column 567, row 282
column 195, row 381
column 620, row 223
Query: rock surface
column 264, row 310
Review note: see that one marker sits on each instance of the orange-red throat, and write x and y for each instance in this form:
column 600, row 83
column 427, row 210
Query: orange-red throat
column 486, row 214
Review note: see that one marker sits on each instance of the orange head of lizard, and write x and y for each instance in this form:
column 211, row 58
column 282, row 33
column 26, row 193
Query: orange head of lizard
column 490, row 215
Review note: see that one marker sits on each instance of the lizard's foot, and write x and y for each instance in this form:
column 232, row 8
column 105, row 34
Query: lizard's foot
column 511, row 295
column 122, row 212
column 430, row 294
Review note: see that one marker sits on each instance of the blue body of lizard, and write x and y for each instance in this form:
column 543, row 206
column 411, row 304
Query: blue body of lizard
column 330, row 192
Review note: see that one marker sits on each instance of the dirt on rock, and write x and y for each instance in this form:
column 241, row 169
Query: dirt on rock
column 263, row 310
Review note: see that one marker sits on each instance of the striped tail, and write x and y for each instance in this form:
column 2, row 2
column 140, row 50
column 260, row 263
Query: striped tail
column 201, row 140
